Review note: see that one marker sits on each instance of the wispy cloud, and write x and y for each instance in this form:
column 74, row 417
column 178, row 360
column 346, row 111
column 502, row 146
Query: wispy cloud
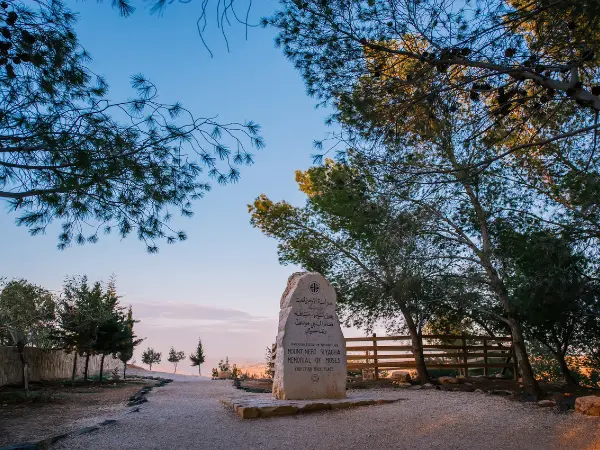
column 224, row 332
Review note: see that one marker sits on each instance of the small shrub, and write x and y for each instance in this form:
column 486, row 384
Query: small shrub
column 269, row 363
column 224, row 366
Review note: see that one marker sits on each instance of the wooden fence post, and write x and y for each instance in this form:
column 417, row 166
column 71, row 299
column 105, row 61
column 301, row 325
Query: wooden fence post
column 465, row 361
column 486, row 370
column 375, row 356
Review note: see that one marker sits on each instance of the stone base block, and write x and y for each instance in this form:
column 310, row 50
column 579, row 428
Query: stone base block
column 258, row 406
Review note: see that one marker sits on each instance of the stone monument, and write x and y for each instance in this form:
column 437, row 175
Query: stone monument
column 310, row 359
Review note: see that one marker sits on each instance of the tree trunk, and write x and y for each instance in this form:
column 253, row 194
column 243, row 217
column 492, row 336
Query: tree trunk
column 101, row 366
column 124, row 370
column 24, row 365
column 175, row 370
column 484, row 254
column 564, row 369
column 416, row 341
column 74, row 370
column 199, row 372
column 515, row 331
column 26, row 375
column 150, row 367
column 515, row 328
column 523, row 359
column 417, row 349
column 87, row 365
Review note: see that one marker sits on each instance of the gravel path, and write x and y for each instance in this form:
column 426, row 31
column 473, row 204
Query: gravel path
column 187, row 414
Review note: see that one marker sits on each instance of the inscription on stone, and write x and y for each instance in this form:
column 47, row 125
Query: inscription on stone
column 311, row 353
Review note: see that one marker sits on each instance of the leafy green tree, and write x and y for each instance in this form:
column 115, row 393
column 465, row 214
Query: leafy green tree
column 69, row 153
column 470, row 112
column 111, row 326
column 463, row 207
column 553, row 294
column 175, row 357
column 150, row 357
column 525, row 73
column 115, row 330
column 24, row 309
column 456, row 208
column 506, row 57
column 197, row 358
column 90, row 320
column 129, row 341
column 5, row 339
column 81, row 312
column 111, row 333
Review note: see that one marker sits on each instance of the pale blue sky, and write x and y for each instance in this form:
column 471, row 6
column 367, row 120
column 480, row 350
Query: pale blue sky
column 225, row 263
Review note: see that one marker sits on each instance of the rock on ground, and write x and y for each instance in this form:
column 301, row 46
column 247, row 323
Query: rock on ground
column 401, row 375
column 450, row 380
column 188, row 414
column 590, row 406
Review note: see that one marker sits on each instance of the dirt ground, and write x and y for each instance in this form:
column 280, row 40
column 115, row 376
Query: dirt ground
column 188, row 414
column 55, row 408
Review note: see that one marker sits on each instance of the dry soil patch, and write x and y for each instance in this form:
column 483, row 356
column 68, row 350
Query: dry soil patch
column 63, row 409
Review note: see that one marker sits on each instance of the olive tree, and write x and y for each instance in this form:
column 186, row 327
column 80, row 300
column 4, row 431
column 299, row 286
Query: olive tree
column 24, row 309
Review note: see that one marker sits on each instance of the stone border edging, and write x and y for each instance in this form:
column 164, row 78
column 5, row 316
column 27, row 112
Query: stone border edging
column 134, row 400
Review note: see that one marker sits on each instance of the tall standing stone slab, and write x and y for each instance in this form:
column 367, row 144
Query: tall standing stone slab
column 311, row 352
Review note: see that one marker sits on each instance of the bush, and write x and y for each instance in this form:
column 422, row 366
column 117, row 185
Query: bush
column 583, row 369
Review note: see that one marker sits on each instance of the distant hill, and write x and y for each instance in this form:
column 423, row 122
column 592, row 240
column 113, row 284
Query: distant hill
column 133, row 366
column 256, row 369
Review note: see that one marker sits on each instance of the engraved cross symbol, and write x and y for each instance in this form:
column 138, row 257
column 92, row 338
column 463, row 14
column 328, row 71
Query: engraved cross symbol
column 314, row 287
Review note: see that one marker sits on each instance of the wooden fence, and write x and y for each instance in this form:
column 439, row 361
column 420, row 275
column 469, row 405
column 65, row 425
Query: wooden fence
column 462, row 352
column 441, row 351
